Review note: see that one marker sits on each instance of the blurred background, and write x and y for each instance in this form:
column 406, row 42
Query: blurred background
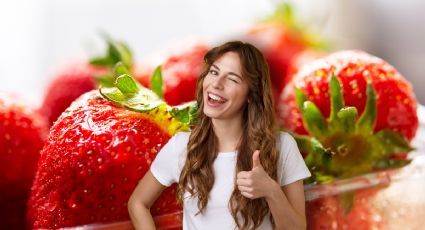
column 38, row 37
column 45, row 46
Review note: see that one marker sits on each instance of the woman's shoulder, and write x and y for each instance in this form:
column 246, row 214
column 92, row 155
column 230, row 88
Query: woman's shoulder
column 285, row 136
column 287, row 141
column 181, row 137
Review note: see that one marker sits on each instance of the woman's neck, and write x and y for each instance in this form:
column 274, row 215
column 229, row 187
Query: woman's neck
column 228, row 133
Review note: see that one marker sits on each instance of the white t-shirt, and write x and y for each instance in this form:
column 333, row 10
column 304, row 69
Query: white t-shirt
column 170, row 160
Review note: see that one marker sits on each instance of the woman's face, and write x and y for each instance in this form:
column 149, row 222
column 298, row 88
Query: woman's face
column 224, row 89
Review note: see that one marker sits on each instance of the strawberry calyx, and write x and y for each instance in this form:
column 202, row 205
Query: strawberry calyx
column 117, row 51
column 156, row 82
column 128, row 93
column 345, row 145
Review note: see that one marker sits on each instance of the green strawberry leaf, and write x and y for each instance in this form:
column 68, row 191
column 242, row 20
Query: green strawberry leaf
column 126, row 84
column 323, row 178
column 129, row 94
column 392, row 142
column 125, row 54
column 106, row 80
column 337, row 101
column 314, row 149
column 366, row 122
column 116, row 52
column 347, row 118
column 314, row 120
column 157, row 82
column 185, row 113
column 300, row 98
column 102, row 61
column 387, row 163
column 120, row 69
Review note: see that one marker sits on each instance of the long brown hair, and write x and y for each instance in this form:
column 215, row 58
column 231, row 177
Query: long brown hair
column 259, row 132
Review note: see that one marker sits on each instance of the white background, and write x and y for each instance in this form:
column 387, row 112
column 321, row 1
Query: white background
column 38, row 37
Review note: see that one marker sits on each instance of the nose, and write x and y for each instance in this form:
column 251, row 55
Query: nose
column 218, row 82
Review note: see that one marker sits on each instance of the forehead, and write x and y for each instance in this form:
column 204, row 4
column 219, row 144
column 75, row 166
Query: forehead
column 229, row 62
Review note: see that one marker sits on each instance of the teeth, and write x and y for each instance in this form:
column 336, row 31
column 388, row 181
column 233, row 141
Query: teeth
column 215, row 97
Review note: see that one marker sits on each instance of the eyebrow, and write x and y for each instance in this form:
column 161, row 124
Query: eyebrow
column 231, row 73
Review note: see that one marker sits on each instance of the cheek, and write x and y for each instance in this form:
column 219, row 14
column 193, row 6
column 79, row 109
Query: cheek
column 205, row 83
column 240, row 94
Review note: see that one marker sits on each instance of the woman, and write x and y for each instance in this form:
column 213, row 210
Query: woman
column 234, row 169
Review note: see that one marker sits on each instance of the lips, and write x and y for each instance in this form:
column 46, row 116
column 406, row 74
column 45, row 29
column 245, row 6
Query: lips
column 216, row 97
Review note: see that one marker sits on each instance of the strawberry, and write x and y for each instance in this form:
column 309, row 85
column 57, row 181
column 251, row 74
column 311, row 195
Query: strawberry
column 96, row 153
column 394, row 93
column 22, row 135
column 338, row 101
column 299, row 60
column 80, row 77
column 348, row 210
column 180, row 73
column 280, row 38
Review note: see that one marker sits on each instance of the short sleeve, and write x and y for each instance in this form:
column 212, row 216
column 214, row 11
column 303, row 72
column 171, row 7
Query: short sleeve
column 291, row 163
column 165, row 166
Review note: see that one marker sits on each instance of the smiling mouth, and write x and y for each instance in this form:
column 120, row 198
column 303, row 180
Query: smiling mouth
column 213, row 98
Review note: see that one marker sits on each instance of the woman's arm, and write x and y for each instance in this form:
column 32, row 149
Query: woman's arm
column 142, row 198
column 287, row 205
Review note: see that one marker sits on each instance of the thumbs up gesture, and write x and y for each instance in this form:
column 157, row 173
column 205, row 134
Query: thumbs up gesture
column 255, row 183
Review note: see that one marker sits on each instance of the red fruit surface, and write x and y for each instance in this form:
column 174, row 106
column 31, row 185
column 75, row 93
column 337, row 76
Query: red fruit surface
column 66, row 86
column 279, row 44
column 299, row 60
column 22, row 135
column 180, row 73
column 328, row 213
column 94, row 157
column 396, row 102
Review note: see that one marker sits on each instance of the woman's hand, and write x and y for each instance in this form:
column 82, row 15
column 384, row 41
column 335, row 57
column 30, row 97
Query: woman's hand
column 255, row 183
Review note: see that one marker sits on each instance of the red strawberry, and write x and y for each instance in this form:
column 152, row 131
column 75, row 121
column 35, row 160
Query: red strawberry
column 299, row 60
column 350, row 210
column 368, row 141
column 279, row 44
column 22, row 135
column 280, row 39
column 394, row 93
column 68, row 85
column 180, row 73
column 96, row 153
column 81, row 77
column 325, row 97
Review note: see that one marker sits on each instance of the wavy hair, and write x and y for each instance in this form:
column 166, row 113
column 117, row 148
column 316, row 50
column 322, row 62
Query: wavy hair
column 259, row 132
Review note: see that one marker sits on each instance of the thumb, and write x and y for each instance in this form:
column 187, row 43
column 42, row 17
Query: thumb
column 256, row 159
